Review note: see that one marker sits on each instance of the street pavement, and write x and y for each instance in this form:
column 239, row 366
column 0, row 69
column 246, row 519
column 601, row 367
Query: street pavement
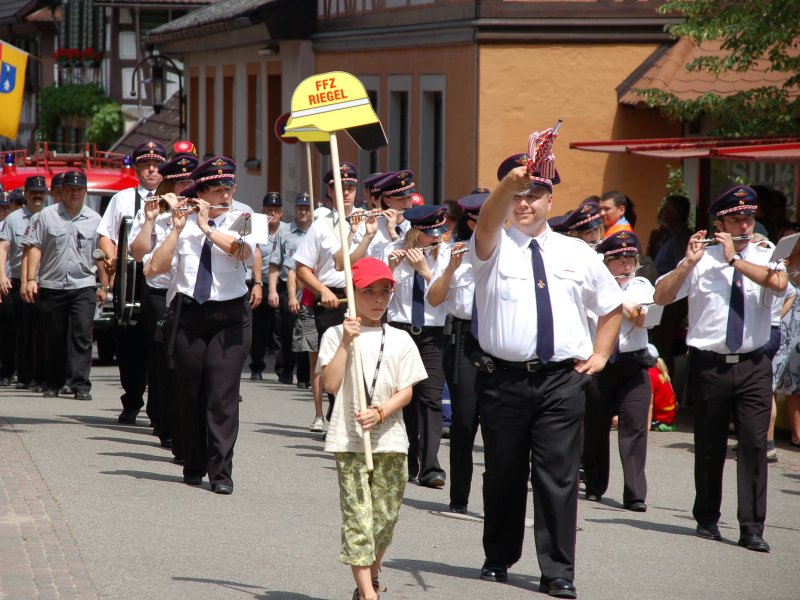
column 93, row 509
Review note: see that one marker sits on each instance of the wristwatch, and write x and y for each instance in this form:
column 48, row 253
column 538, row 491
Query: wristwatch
column 261, row 283
column 209, row 231
column 734, row 258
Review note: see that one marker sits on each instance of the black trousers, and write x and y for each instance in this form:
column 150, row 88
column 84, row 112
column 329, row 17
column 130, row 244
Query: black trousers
column 623, row 386
column 266, row 323
column 67, row 321
column 8, row 332
column 721, row 392
column 291, row 360
column 30, row 338
column 211, row 348
column 161, row 404
column 531, row 425
column 459, row 372
column 423, row 415
column 130, row 342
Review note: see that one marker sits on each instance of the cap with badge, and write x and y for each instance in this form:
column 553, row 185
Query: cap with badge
column 397, row 184
column 302, row 199
column 472, row 203
column 74, row 178
column 57, row 181
column 178, row 168
column 427, row 218
column 347, row 171
column 370, row 182
column 36, row 183
column 557, row 223
column 16, row 196
column 740, row 199
column 149, row 150
column 4, row 200
column 620, row 243
column 583, row 218
column 272, row 199
column 521, row 160
column 184, row 148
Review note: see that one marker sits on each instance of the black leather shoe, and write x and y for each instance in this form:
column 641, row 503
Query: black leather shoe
column 754, row 542
column 460, row 509
column 166, row 442
column 192, row 480
column 5, row 382
column 437, row 481
column 558, row 587
column 256, row 377
column 178, row 460
column 593, row 497
column 222, row 488
column 66, row 390
column 37, row 388
column 445, row 433
column 50, row 393
column 493, row 572
column 83, row 396
column 127, row 417
column 412, row 479
column 303, row 385
column 286, row 380
column 709, row 532
column 21, row 385
column 637, row 506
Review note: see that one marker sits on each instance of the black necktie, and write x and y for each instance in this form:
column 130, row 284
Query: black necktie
column 418, row 301
column 398, row 230
column 202, row 285
column 544, row 312
column 735, row 330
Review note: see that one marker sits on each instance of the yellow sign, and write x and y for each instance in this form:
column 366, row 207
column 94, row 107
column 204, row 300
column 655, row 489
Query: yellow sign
column 308, row 134
column 13, row 62
column 335, row 101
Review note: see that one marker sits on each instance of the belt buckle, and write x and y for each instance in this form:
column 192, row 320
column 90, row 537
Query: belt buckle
column 533, row 366
column 415, row 330
column 732, row 359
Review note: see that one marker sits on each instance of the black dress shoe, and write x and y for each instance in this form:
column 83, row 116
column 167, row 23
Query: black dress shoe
column 222, row 488
column 256, row 377
column 593, row 497
column 637, row 506
column 493, row 572
column 303, row 385
column 709, row 532
column 127, row 417
column 22, row 385
column 445, row 433
column 37, row 388
column 5, row 382
column 192, row 480
column 50, row 393
column 65, row 390
column 83, row 396
column 558, row 587
column 178, row 460
column 754, row 542
column 437, row 481
column 460, row 509
column 286, row 380
column 166, row 442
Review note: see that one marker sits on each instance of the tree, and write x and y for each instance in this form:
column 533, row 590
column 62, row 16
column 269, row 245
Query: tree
column 750, row 30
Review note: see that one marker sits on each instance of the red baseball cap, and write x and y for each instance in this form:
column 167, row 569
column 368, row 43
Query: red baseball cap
column 367, row 271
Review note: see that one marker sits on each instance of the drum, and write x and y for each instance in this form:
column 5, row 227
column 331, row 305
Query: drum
column 129, row 279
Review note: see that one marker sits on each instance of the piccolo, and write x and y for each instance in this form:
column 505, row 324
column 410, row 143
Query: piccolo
column 462, row 250
column 624, row 276
column 370, row 214
column 735, row 238
column 192, row 207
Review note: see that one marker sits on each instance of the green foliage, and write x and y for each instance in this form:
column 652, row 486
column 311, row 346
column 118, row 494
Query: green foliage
column 750, row 30
column 106, row 125
column 675, row 182
column 63, row 102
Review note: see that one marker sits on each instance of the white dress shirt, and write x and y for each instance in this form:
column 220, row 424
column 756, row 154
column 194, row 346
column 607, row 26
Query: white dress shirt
column 400, row 305
column 506, row 297
column 228, row 273
column 462, row 289
column 121, row 205
column 636, row 291
column 161, row 228
column 317, row 249
column 377, row 247
column 708, row 287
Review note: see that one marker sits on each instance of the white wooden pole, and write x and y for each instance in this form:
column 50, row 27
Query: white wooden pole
column 351, row 302
column 310, row 175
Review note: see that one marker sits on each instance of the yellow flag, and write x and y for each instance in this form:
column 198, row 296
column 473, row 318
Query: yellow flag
column 12, row 85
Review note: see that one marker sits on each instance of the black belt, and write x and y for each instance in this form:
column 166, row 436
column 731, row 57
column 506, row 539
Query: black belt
column 457, row 320
column 531, row 366
column 189, row 301
column 730, row 359
column 156, row 291
column 414, row 330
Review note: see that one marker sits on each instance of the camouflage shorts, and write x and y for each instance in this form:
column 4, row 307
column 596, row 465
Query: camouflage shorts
column 370, row 503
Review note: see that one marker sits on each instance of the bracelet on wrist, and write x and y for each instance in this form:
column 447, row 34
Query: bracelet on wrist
column 261, row 283
column 381, row 414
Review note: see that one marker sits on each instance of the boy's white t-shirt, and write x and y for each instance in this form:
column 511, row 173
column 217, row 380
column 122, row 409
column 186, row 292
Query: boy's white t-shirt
column 401, row 367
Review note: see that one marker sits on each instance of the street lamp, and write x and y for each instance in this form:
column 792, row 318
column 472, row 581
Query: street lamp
column 158, row 83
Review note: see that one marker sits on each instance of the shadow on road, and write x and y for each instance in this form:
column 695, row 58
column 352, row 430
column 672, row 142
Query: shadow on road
column 418, row 568
column 145, row 475
column 122, row 440
column 302, row 434
column 250, row 589
column 139, row 456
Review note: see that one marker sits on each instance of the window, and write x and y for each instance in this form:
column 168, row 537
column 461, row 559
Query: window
column 228, row 112
column 210, row 91
column 430, row 181
column 274, row 145
column 254, row 126
column 194, row 106
column 399, row 89
column 368, row 161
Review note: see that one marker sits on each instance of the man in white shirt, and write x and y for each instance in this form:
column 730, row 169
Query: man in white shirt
column 730, row 288
column 533, row 287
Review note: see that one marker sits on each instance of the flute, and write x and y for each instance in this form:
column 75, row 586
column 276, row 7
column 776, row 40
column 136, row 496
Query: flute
column 624, row 276
column 735, row 238
column 370, row 214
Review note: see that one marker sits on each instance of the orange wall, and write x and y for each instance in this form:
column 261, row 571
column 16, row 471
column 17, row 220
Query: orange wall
column 457, row 63
column 578, row 83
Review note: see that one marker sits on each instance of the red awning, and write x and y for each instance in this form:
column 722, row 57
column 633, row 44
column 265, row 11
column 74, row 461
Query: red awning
column 747, row 149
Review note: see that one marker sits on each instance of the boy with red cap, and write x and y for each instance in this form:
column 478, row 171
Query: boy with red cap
column 370, row 502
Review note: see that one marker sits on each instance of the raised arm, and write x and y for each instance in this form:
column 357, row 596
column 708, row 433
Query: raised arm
column 494, row 211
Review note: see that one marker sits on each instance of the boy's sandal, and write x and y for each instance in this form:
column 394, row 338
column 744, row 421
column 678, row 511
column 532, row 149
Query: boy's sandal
column 376, row 585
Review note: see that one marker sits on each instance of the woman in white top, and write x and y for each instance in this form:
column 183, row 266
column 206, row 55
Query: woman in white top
column 414, row 260
column 213, row 317
column 623, row 386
